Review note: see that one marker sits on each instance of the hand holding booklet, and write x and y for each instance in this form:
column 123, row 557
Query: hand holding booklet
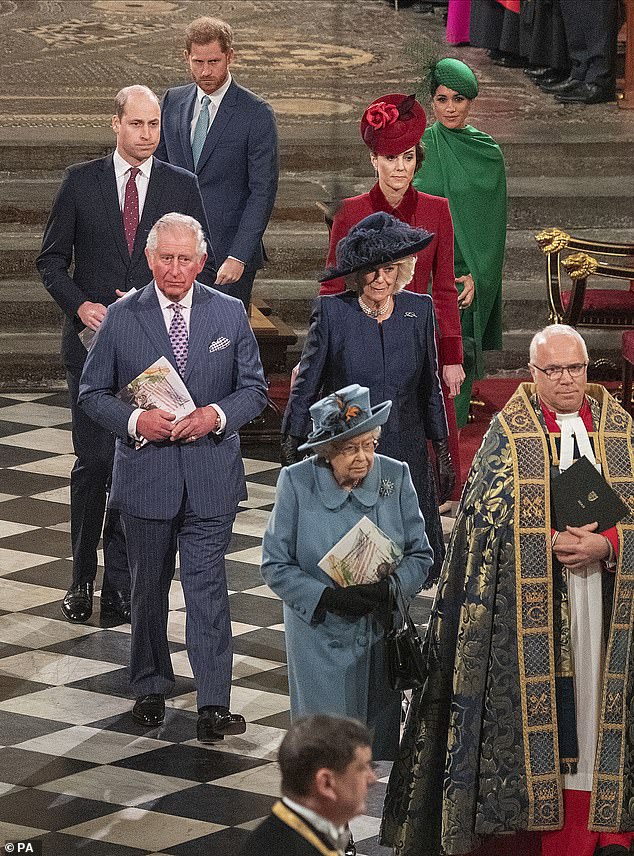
column 581, row 495
column 159, row 386
column 365, row 554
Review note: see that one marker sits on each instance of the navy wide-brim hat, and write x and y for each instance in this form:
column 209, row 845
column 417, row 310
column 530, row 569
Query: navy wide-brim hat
column 379, row 239
column 342, row 415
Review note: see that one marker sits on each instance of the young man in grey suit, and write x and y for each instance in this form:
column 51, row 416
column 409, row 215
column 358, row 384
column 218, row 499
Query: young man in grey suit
column 228, row 137
column 100, row 220
column 181, row 489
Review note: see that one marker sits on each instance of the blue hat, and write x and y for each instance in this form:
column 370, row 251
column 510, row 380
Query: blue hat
column 344, row 414
column 377, row 240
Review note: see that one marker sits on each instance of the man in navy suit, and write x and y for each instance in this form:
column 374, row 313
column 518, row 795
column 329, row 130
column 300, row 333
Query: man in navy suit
column 181, row 489
column 228, row 137
column 100, row 220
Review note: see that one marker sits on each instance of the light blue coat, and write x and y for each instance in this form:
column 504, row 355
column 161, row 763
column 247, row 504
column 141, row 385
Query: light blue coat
column 336, row 663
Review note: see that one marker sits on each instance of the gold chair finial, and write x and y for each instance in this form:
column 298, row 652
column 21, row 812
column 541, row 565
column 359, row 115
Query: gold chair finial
column 580, row 265
column 552, row 240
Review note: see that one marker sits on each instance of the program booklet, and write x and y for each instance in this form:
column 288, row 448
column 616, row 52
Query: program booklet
column 365, row 554
column 159, row 386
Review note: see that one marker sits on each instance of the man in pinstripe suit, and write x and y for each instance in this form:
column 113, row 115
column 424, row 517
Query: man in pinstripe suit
column 180, row 490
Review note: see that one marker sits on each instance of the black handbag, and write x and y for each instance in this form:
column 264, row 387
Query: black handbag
column 406, row 666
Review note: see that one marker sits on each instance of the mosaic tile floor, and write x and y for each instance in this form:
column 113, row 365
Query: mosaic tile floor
column 75, row 770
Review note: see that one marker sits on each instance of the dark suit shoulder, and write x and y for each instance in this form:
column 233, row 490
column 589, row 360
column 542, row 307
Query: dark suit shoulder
column 207, row 292
column 246, row 94
column 409, row 300
column 277, row 839
column 168, row 170
column 89, row 167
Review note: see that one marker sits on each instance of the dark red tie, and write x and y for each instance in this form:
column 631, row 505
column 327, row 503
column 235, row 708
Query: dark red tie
column 131, row 208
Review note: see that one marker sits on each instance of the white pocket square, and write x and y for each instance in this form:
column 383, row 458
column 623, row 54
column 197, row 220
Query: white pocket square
column 219, row 344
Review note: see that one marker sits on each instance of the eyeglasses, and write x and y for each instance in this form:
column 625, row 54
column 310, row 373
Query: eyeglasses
column 556, row 372
column 350, row 450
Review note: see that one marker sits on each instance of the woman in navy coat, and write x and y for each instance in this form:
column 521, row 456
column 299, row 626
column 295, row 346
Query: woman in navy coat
column 383, row 338
column 334, row 635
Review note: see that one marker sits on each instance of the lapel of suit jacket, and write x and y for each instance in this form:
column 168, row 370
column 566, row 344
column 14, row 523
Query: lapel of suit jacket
column 224, row 114
column 151, row 320
column 186, row 111
column 108, row 187
column 155, row 189
column 199, row 327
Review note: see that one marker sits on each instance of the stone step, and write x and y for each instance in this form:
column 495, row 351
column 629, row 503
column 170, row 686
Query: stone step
column 297, row 251
column 334, row 148
column 30, row 361
column 534, row 202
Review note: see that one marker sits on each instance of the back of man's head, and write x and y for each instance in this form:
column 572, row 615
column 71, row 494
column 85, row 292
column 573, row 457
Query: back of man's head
column 316, row 742
column 204, row 30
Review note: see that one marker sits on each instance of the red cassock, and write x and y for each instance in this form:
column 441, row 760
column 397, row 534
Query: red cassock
column 433, row 264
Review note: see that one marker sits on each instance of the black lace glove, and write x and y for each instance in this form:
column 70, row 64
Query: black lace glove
column 444, row 469
column 347, row 601
column 289, row 445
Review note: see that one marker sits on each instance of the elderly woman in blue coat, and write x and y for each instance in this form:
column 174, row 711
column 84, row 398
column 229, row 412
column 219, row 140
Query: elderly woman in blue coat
column 378, row 335
column 335, row 635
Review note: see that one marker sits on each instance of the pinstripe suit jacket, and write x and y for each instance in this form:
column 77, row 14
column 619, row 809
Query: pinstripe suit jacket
column 149, row 482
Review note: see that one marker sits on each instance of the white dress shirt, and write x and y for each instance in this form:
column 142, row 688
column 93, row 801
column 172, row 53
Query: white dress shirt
column 122, row 174
column 215, row 99
column 185, row 304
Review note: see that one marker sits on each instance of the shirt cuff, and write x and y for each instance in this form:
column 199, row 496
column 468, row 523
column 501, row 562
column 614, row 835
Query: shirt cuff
column 132, row 421
column 222, row 419
column 237, row 260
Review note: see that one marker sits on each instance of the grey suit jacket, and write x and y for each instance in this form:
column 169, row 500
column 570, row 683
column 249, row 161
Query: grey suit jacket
column 223, row 367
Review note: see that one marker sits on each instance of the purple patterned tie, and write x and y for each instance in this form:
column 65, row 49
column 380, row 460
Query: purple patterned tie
column 178, row 337
column 131, row 208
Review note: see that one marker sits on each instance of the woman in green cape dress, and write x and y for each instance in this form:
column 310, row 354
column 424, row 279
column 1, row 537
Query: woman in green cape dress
column 467, row 167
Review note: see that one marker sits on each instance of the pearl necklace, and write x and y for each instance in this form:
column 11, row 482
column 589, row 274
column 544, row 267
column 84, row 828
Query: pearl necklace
column 375, row 313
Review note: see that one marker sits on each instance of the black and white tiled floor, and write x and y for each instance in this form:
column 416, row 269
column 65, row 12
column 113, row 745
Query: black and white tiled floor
column 75, row 771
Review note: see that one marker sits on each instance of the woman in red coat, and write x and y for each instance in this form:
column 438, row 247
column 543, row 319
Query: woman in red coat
column 391, row 127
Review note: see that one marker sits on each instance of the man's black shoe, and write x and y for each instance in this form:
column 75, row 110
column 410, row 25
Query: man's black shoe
column 214, row 722
column 509, row 61
column 77, row 603
column 351, row 847
column 562, row 86
column 553, row 76
column 613, row 850
column 149, row 710
column 115, row 608
column 586, row 93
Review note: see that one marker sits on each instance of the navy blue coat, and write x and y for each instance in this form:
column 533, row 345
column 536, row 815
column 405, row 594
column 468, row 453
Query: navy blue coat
column 395, row 360
column 237, row 169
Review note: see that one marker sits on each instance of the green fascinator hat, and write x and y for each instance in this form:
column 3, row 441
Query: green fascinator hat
column 455, row 75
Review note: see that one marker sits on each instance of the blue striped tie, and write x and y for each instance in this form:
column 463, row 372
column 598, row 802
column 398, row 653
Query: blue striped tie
column 200, row 131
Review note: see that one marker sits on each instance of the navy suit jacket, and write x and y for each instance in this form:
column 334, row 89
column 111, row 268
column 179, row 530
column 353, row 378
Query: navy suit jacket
column 86, row 227
column 237, row 170
column 149, row 482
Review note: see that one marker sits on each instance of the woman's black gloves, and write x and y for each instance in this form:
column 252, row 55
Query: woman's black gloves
column 354, row 600
column 444, row 469
column 289, row 454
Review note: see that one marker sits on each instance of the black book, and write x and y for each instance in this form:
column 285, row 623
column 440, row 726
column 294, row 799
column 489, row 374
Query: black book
column 581, row 495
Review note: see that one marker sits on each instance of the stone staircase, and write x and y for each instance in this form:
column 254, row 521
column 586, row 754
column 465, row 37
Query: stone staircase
column 584, row 187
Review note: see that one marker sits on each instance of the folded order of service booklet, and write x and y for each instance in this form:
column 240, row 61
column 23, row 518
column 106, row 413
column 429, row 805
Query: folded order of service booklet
column 365, row 554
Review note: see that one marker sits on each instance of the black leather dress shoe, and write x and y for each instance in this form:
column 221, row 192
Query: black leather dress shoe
column 585, row 93
column 562, row 86
column 77, row 603
column 214, row 722
column 115, row 608
column 553, row 76
column 149, row 710
column 351, row 847
column 613, row 850
column 509, row 61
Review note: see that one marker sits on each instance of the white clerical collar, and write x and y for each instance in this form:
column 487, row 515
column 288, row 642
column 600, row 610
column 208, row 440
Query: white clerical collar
column 572, row 428
column 321, row 824
column 121, row 166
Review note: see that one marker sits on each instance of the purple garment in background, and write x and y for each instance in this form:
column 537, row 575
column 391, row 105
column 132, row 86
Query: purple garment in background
column 458, row 20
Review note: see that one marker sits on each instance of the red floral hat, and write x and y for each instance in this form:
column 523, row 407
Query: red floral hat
column 393, row 124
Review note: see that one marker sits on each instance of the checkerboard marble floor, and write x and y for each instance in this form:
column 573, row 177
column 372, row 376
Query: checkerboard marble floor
column 75, row 770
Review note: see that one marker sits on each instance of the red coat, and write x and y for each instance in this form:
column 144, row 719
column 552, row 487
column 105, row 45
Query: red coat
column 435, row 262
